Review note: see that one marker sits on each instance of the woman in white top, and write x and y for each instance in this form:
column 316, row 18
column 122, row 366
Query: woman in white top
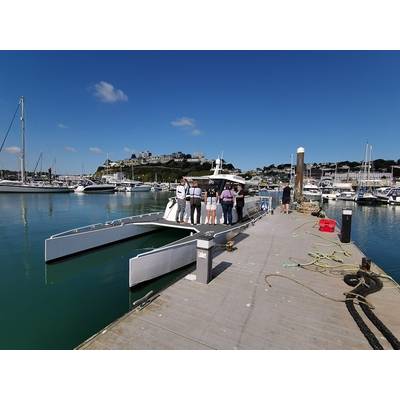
column 211, row 199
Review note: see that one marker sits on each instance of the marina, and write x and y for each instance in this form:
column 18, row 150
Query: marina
column 81, row 295
column 206, row 257
column 245, row 203
column 151, row 253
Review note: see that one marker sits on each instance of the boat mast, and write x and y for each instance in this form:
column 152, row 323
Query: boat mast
column 21, row 102
column 368, row 163
column 364, row 174
column 334, row 179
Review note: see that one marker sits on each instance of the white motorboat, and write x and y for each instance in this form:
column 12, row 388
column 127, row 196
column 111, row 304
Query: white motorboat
column 138, row 187
column 394, row 196
column 160, row 261
column 381, row 194
column 329, row 194
column 24, row 186
column 346, row 195
column 312, row 192
column 91, row 187
column 388, row 196
column 156, row 187
column 365, row 197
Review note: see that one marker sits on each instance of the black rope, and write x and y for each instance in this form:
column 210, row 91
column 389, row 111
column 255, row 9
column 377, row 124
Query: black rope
column 366, row 283
column 9, row 128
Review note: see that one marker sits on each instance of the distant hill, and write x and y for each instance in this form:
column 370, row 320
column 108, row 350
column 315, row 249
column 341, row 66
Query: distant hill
column 169, row 172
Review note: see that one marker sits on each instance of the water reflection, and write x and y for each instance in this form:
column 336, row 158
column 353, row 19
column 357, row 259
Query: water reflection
column 78, row 297
column 375, row 231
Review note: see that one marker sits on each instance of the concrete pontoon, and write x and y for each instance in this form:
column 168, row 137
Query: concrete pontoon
column 148, row 265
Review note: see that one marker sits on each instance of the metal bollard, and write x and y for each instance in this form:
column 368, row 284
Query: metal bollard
column 205, row 246
column 345, row 233
column 365, row 264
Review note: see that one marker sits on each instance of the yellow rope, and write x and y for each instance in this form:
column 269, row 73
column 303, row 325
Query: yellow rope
column 360, row 299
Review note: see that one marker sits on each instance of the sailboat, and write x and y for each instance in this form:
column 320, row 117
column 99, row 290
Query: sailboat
column 364, row 194
column 23, row 186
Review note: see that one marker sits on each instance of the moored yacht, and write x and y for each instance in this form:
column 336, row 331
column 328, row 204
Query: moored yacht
column 24, row 186
column 31, row 187
column 160, row 261
column 365, row 197
column 138, row 187
column 329, row 193
column 312, row 192
column 389, row 196
column 91, row 187
column 347, row 195
column 364, row 193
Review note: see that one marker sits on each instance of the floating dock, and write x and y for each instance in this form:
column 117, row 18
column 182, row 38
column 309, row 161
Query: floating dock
column 239, row 310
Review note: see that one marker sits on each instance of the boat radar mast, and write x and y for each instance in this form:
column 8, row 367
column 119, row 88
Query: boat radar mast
column 218, row 166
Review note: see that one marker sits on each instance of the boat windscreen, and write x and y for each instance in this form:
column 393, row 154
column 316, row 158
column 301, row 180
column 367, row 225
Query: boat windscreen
column 218, row 184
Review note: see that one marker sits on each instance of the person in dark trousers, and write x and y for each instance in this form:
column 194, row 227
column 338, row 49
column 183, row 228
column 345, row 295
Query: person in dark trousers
column 226, row 199
column 286, row 199
column 195, row 203
column 240, row 203
column 181, row 191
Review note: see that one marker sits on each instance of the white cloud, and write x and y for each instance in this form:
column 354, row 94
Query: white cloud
column 187, row 124
column 70, row 149
column 95, row 150
column 196, row 132
column 13, row 150
column 106, row 93
column 62, row 126
column 128, row 150
column 184, row 122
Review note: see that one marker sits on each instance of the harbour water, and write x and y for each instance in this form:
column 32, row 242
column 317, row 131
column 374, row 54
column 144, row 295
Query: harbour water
column 59, row 305
column 375, row 230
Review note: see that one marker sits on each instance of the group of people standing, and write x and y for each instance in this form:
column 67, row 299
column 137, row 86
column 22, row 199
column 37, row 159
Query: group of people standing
column 194, row 196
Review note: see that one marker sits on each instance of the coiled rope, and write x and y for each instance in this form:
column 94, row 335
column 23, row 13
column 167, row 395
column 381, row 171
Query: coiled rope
column 362, row 281
column 366, row 283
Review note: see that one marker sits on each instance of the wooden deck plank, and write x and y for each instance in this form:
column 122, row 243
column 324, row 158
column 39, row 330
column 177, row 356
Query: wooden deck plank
column 237, row 309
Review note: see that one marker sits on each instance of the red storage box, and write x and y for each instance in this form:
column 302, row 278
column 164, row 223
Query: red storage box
column 327, row 225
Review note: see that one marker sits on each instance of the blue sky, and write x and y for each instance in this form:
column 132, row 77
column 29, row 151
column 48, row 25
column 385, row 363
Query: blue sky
column 256, row 107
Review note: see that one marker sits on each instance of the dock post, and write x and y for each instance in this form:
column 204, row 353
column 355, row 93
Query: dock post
column 345, row 233
column 298, row 190
column 205, row 246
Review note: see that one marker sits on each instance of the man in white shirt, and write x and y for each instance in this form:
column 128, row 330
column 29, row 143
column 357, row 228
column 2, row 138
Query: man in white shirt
column 181, row 193
column 195, row 203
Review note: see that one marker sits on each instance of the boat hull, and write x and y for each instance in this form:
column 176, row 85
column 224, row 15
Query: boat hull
column 138, row 189
column 161, row 261
column 93, row 236
column 367, row 201
column 97, row 189
column 312, row 197
column 33, row 189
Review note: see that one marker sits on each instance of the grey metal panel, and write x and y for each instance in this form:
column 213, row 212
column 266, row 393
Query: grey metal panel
column 62, row 246
column 160, row 261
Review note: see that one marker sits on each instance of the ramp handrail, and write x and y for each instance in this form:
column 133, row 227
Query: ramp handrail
column 104, row 225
